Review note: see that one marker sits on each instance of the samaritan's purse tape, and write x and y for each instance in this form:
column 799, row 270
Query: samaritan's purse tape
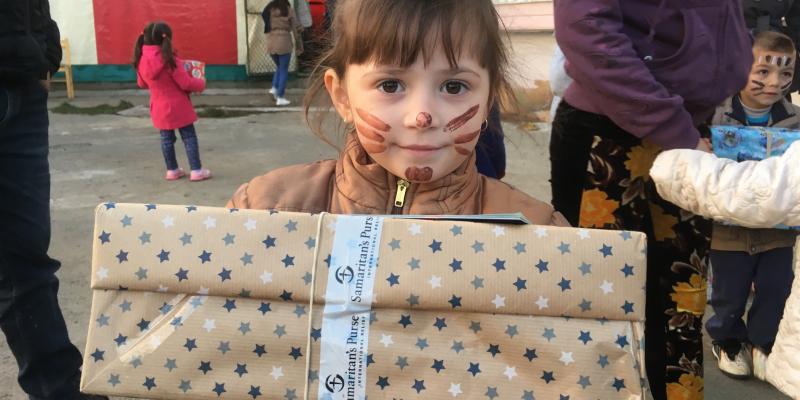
column 348, row 301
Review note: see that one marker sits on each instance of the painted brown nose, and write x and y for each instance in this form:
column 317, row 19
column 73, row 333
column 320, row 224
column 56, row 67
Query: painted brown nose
column 424, row 120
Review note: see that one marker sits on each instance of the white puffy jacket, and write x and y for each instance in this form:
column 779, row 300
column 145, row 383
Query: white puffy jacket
column 754, row 194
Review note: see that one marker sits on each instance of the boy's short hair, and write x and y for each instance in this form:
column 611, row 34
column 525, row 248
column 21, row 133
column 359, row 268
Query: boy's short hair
column 774, row 41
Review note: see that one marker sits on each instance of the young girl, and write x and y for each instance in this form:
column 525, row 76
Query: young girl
column 158, row 69
column 414, row 99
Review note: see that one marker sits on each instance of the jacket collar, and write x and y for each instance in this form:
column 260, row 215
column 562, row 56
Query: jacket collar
column 369, row 186
column 780, row 112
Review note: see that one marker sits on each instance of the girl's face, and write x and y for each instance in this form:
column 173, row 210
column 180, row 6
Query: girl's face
column 419, row 123
column 770, row 78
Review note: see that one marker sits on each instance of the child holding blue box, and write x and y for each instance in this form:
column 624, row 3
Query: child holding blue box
column 740, row 256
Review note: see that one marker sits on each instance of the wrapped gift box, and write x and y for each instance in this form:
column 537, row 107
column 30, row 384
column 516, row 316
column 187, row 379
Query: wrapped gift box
column 742, row 143
column 196, row 69
column 195, row 302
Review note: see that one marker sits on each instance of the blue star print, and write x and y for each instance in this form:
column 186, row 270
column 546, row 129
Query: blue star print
column 627, row 307
column 456, row 230
column 585, row 305
column 126, row 221
column 122, row 256
column 520, row 284
column 455, row 301
column 477, row 247
column 440, row 324
column 288, row 261
column 548, row 376
column 530, row 354
column 438, row 365
column 286, row 296
column 260, row 350
column 606, row 251
column 603, row 360
column 435, row 246
column 230, row 304
column 205, row 366
column 494, row 349
column 585, row 268
column 163, row 256
column 422, row 343
column 255, row 391
column 144, row 237
column 418, row 385
column 205, row 257
column 393, row 279
column 491, row 392
column 542, row 266
column 114, row 380
column 455, row 265
column 383, row 382
column 219, row 388
column 225, row 274
column 474, row 369
column 549, row 334
column 150, row 207
column 149, row 383
column 295, row 353
column 585, row 337
column 563, row 248
column 499, row 265
column 264, row 308
column 102, row 320
column 229, row 239
column 627, row 270
column 564, row 284
column 182, row 274
column 584, row 382
column 394, row 244
column 618, row 384
column 622, row 341
column 269, row 241
column 98, row 355
column 247, row 259
column 191, row 344
column 519, row 248
column 110, row 205
column 241, row 369
column 190, row 209
column 104, row 237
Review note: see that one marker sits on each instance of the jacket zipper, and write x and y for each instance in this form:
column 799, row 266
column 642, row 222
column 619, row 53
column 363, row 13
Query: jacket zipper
column 400, row 196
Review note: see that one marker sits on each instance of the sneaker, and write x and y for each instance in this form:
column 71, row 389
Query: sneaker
column 733, row 359
column 272, row 91
column 281, row 101
column 200, row 175
column 174, row 174
column 759, row 363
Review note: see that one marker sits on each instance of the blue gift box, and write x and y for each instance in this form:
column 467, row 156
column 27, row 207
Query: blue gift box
column 743, row 143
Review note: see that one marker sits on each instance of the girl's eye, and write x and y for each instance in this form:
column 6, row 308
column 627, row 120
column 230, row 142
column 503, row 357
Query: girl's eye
column 389, row 86
column 454, row 87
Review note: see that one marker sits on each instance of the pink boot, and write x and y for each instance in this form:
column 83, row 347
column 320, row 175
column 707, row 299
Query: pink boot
column 175, row 174
column 200, row 175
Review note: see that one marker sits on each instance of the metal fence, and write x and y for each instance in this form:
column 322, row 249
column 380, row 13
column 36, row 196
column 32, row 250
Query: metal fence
column 259, row 62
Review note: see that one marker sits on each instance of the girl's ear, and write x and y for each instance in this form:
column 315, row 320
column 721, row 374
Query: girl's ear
column 338, row 93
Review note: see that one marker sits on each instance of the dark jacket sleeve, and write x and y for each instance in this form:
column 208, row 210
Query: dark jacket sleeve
column 602, row 58
column 53, row 42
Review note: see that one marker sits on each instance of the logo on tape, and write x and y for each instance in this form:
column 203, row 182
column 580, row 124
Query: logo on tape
column 334, row 383
column 344, row 274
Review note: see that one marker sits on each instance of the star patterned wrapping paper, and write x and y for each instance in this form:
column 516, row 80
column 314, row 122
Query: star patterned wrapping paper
column 207, row 303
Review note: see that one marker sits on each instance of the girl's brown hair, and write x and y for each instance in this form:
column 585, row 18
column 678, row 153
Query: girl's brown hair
column 159, row 34
column 397, row 32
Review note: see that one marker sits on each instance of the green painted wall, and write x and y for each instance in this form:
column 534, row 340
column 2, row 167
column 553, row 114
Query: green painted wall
column 126, row 73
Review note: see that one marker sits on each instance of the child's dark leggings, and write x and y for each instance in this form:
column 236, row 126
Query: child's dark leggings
column 734, row 272
column 189, row 137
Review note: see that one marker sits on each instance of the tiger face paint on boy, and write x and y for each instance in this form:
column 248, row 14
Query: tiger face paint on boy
column 420, row 122
column 771, row 77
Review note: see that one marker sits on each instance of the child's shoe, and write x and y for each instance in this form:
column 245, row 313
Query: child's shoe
column 759, row 363
column 733, row 358
column 174, row 174
column 200, row 175
column 281, row 101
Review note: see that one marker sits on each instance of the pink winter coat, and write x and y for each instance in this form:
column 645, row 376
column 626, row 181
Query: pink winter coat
column 170, row 105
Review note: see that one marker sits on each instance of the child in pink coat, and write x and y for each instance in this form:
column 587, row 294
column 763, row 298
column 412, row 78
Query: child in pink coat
column 170, row 86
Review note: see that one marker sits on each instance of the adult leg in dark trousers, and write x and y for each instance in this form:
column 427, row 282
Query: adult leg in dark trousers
column 30, row 317
column 734, row 271
column 570, row 145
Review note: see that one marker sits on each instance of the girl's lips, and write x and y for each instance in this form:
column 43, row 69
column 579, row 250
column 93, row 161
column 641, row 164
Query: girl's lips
column 419, row 147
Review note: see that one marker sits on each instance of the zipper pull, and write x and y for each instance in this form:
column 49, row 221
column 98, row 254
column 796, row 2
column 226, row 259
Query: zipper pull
column 400, row 197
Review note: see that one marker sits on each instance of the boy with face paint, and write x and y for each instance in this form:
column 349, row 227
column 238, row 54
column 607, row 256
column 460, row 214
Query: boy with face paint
column 742, row 257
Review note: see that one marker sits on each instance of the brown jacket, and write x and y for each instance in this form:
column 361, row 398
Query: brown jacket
column 353, row 184
column 279, row 39
column 735, row 238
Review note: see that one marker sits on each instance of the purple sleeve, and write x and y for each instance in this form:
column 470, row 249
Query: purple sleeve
column 185, row 81
column 602, row 60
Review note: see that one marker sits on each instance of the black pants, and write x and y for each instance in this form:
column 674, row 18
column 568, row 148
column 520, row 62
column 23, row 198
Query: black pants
column 570, row 145
column 734, row 271
column 49, row 364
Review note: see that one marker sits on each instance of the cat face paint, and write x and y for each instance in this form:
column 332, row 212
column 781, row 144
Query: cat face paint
column 420, row 122
column 373, row 129
column 424, row 120
column 417, row 174
column 462, row 119
column 770, row 78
